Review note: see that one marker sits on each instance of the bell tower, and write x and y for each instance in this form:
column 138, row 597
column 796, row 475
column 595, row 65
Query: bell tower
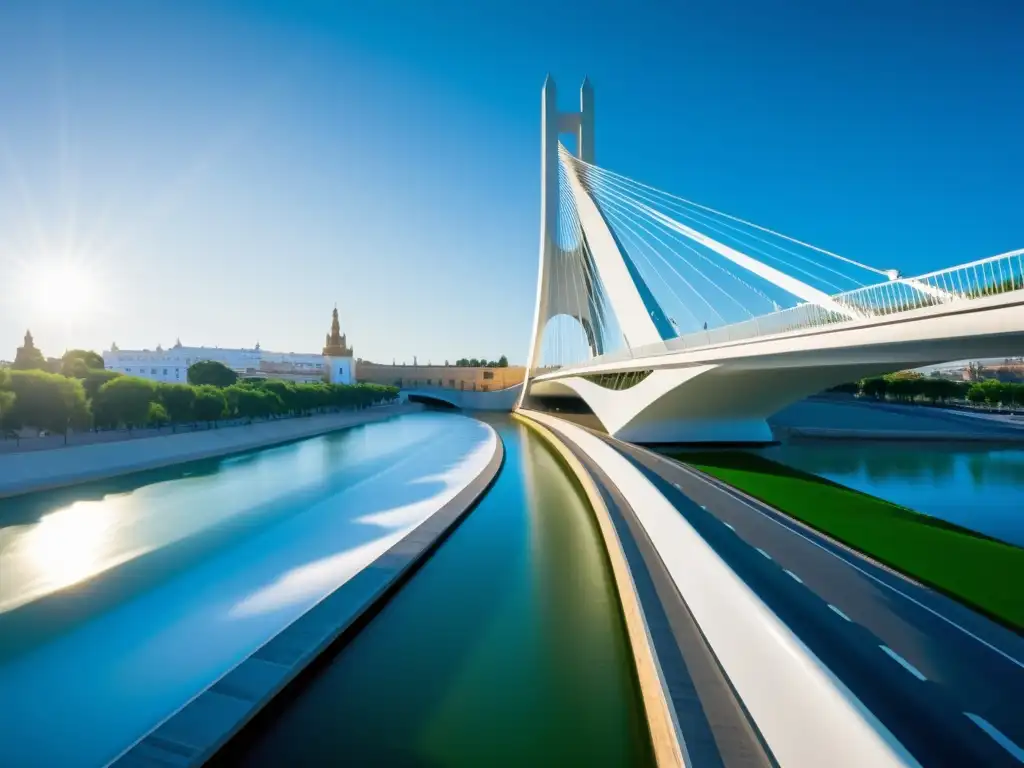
column 338, row 357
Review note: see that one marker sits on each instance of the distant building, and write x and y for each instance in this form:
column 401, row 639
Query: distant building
column 480, row 379
column 341, row 367
column 335, row 363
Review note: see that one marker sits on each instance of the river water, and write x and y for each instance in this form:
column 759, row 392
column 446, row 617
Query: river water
column 119, row 600
column 506, row 649
column 978, row 487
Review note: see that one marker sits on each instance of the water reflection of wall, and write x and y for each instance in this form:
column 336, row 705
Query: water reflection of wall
column 976, row 487
column 906, row 462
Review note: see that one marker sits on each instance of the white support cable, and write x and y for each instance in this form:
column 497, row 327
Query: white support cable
column 621, row 220
column 702, row 219
column 601, row 293
column 681, row 209
column 633, row 237
column 793, row 267
column 882, row 272
column 580, row 306
column 575, row 255
column 700, row 255
column 598, row 322
column 790, row 284
column 683, row 305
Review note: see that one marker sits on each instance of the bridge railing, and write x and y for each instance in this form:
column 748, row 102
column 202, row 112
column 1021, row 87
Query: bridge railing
column 986, row 277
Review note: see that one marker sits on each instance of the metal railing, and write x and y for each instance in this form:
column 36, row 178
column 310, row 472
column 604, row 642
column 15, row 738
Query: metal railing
column 986, row 277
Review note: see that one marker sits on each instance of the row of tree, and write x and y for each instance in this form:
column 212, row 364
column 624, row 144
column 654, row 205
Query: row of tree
column 55, row 402
column 472, row 362
column 909, row 387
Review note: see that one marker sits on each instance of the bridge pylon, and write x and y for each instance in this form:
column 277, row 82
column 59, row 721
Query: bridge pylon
column 585, row 278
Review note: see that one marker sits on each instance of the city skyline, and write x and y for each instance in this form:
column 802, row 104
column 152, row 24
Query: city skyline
column 301, row 155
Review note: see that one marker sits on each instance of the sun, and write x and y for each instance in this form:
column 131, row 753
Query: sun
column 64, row 289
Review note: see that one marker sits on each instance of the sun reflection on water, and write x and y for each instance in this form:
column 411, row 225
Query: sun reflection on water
column 68, row 546
column 62, row 549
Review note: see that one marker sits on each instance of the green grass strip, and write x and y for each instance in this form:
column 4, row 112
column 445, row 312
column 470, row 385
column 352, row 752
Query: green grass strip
column 980, row 571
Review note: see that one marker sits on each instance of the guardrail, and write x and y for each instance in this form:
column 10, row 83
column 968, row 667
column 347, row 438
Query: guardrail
column 986, row 277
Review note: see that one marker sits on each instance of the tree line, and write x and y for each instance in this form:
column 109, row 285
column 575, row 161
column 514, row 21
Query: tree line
column 472, row 362
column 94, row 397
column 908, row 387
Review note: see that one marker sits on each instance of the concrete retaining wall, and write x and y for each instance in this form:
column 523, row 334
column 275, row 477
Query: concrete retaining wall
column 40, row 470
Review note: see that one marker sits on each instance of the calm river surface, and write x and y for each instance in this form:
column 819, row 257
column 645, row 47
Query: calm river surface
column 506, row 649
column 119, row 600
column 978, row 487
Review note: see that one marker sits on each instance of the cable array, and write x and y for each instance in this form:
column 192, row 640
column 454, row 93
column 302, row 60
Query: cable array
column 707, row 268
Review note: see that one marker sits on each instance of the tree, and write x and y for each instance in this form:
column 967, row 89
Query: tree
column 211, row 372
column 46, row 401
column 874, row 387
column 90, row 360
column 257, row 403
column 96, row 378
column 502, row 362
column 156, row 416
column 7, row 400
column 28, row 358
column 124, row 400
column 178, row 401
column 210, row 403
column 7, row 397
column 976, row 394
column 904, row 385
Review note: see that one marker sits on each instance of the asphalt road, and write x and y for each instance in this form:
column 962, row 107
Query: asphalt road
column 946, row 681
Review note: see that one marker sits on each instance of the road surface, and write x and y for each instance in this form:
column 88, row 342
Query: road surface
column 946, row 681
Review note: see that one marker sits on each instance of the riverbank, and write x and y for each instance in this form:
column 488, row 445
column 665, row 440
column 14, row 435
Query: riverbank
column 979, row 571
column 43, row 470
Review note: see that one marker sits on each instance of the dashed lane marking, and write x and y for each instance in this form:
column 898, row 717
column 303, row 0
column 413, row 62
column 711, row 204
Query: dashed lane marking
column 903, row 662
column 839, row 613
column 997, row 736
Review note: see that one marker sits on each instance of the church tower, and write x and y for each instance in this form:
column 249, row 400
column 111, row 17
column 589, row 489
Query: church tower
column 338, row 356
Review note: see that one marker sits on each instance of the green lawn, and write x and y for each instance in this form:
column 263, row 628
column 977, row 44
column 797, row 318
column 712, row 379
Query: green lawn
column 984, row 573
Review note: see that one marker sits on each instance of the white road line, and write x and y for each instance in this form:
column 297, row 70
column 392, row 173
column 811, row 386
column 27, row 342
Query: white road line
column 839, row 613
column 871, row 576
column 763, row 552
column 728, row 526
column 997, row 736
column 903, row 662
column 793, row 576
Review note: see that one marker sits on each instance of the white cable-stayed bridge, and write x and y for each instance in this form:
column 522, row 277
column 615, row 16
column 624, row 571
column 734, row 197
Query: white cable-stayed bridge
column 677, row 322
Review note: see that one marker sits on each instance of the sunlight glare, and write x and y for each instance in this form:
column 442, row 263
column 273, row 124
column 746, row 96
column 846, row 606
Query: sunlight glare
column 69, row 545
column 62, row 289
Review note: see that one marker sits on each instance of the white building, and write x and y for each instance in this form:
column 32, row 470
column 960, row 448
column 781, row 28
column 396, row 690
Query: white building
column 171, row 365
column 335, row 363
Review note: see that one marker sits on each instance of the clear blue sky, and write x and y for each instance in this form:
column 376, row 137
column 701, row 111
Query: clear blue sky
column 227, row 171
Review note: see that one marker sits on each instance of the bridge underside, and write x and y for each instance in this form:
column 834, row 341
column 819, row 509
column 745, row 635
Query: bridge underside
column 729, row 400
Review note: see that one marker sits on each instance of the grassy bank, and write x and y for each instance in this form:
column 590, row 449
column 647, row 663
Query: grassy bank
column 981, row 572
